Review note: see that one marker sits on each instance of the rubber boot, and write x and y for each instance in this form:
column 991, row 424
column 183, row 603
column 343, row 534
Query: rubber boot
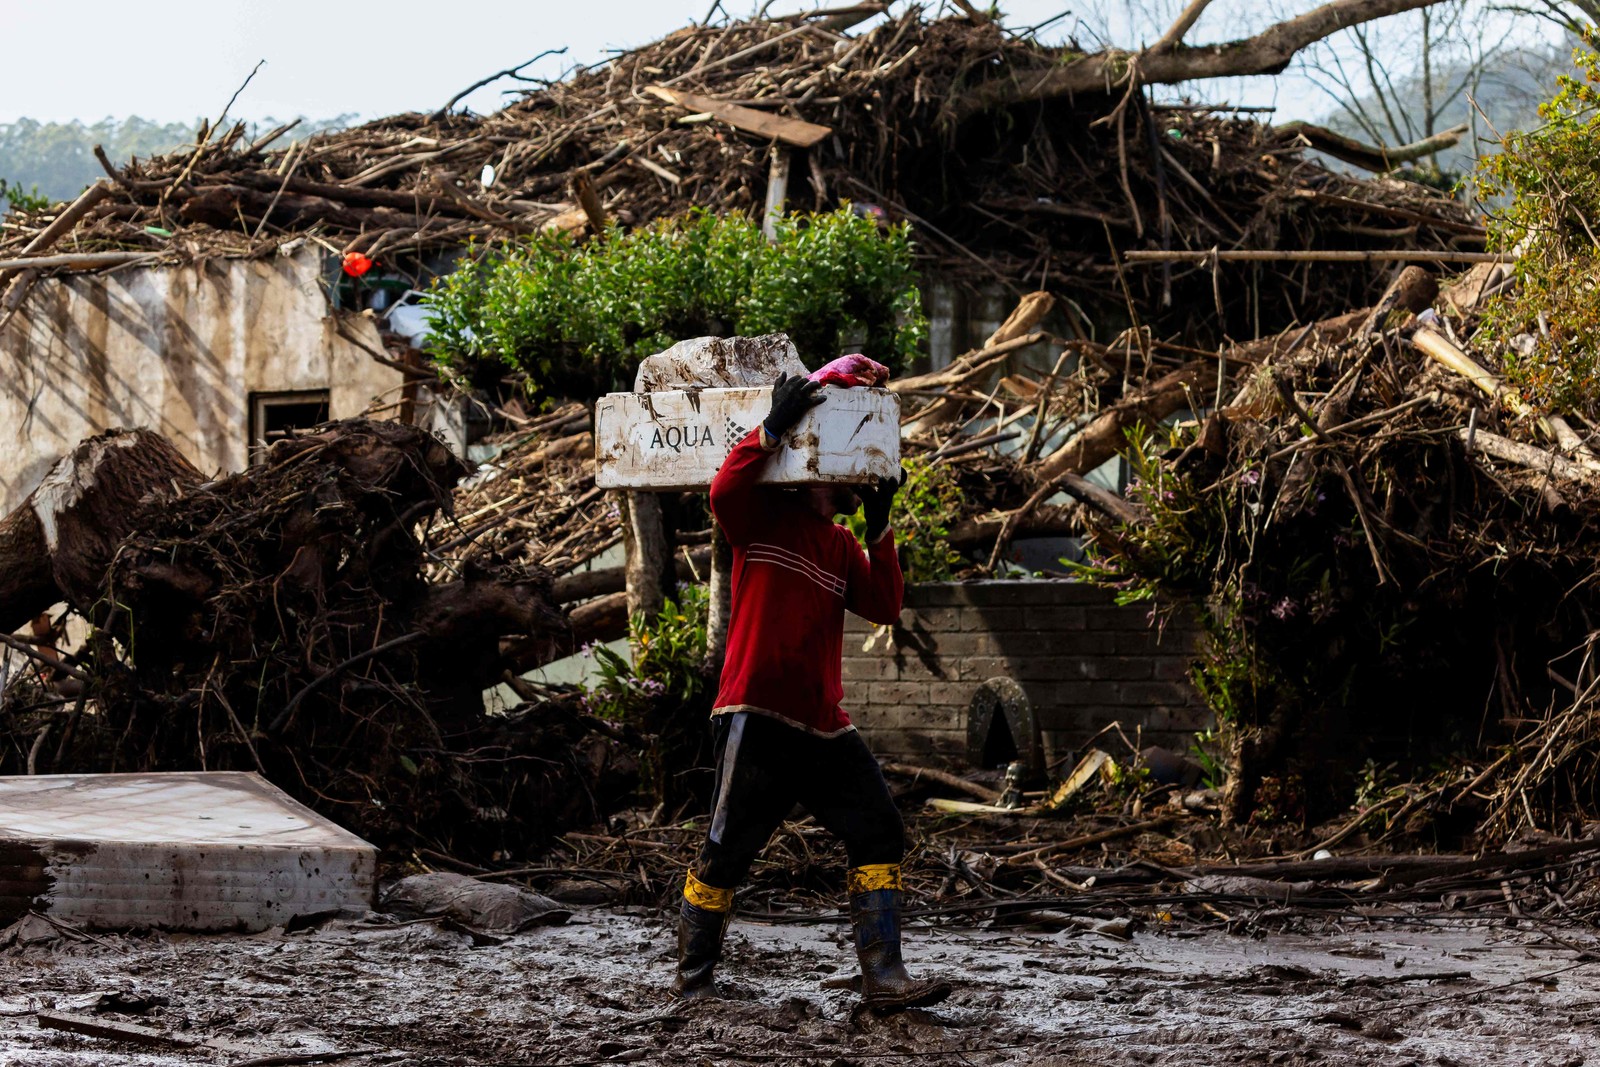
column 885, row 985
column 700, row 933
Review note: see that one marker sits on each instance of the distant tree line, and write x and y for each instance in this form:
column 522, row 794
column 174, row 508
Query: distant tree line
column 56, row 160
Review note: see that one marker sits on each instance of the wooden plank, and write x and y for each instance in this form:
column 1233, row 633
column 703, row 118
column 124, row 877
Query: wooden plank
column 797, row 132
column 75, row 260
column 1408, row 255
column 133, row 1033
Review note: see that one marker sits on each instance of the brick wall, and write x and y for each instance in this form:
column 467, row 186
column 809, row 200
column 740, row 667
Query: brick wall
column 1082, row 660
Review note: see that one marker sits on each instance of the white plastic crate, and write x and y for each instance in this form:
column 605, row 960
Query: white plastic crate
column 678, row 439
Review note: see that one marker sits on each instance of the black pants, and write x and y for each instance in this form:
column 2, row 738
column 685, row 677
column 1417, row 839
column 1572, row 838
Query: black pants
column 765, row 767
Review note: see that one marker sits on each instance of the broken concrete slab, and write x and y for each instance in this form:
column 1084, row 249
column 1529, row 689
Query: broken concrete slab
column 199, row 851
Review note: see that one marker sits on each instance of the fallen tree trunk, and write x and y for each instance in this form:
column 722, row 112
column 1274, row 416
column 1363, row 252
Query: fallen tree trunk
column 1268, row 52
column 1106, row 435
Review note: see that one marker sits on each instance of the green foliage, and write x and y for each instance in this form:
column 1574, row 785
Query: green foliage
column 1203, row 750
column 17, row 200
column 1548, row 326
column 577, row 318
column 1273, row 592
column 923, row 511
column 666, row 669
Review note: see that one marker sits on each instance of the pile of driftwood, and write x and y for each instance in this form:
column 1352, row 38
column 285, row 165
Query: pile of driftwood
column 1015, row 163
column 283, row 620
column 1395, row 557
column 1100, row 873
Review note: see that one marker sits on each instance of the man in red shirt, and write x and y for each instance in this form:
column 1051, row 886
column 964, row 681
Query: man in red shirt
column 781, row 737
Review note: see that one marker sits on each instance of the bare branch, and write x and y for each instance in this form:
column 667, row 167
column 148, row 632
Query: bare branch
column 1371, row 157
column 509, row 72
column 1268, row 52
column 1174, row 36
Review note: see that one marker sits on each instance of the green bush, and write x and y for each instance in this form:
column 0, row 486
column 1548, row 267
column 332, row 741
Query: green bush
column 667, row 662
column 17, row 200
column 1547, row 328
column 576, row 318
column 664, row 694
column 923, row 511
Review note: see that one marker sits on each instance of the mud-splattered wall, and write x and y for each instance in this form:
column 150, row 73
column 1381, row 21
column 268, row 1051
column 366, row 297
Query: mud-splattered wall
column 178, row 350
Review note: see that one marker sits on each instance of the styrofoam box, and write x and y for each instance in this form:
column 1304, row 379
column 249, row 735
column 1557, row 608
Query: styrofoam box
column 678, row 439
column 178, row 850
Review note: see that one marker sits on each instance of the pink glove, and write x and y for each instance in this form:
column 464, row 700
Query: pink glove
column 851, row 370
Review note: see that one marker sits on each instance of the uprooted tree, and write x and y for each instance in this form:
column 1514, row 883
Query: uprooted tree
column 281, row 620
column 1393, row 534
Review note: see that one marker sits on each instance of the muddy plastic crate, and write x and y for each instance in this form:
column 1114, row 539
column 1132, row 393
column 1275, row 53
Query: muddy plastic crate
column 677, row 439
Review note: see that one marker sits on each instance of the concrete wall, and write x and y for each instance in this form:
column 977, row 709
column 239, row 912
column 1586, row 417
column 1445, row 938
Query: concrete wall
column 1082, row 660
column 177, row 350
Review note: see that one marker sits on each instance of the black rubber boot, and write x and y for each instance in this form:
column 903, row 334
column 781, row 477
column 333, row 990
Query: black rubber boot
column 885, row 985
column 700, row 933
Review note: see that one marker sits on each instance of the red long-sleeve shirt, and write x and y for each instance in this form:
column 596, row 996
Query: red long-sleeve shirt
column 794, row 574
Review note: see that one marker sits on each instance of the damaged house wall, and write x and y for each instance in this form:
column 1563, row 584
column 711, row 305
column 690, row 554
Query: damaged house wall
column 179, row 350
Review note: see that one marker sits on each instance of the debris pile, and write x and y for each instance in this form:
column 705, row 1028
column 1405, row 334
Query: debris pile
column 280, row 620
column 1395, row 553
column 924, row 120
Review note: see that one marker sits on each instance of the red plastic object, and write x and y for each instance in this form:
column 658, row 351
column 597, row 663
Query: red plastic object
column 356, row 264
column 854, row 369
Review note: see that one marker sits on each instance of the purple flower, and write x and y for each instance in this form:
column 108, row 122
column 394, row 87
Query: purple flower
column 1250, row 477
column 1284, row 609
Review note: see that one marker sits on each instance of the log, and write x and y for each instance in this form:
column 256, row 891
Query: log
column 645, row 543
column 1264, row 255
column 797, row 132
column 954, row 781
column 1046, row 521
column 1412, row 290
column 964, row 368
column 75, row 261
column 1106, row 435
column 720, row 609
column 1019, row 325
column 1438, row 348
column 1377, row 158
column 1535, row 459
column 605, row 619
column 64, row 222
column 1268, row 52
column 26, row 585
column 58, row 543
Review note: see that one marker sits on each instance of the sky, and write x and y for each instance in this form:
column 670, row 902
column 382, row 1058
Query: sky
column 175, row 60
column 178, row 60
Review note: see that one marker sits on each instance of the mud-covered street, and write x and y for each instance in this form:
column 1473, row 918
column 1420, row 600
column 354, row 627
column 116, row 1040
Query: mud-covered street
column 1398, row 991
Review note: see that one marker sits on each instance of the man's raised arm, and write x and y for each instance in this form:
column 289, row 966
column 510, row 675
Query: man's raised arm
column 732, row 488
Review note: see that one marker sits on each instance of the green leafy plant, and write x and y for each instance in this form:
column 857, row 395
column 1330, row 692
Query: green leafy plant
column 663, row 694
column 576, row 318
column 667, row 662
column 1548, row 327
column 1204, row 751
column 923, row 511
column 18, row 200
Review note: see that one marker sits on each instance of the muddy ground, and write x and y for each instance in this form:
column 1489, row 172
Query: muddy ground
column 1399, row 991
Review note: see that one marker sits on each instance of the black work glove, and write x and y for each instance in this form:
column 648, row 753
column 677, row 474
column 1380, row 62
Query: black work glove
column 791, row 399
column 876, row 502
